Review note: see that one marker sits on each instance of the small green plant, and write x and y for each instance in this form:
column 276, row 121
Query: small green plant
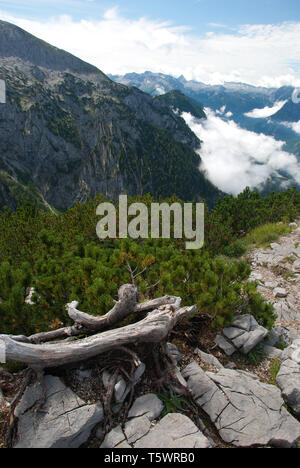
column 256, row 355
column 289, row 260
column 172, row 402
column 281, row 344
column 274, row 369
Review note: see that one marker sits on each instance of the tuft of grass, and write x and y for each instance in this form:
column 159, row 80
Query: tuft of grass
column 274, row 369
column 172, row 402
column 256, row 355
column 289, row 260
column 262, row 236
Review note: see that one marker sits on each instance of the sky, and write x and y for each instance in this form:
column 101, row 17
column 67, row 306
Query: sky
column 212, row 41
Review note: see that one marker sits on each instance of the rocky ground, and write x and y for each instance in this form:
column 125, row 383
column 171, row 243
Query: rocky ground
column 277, row 269
column 239, row 388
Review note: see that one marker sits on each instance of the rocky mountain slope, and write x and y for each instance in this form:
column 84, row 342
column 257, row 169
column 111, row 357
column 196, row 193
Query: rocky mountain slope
column 179, row 102
column 67, row 132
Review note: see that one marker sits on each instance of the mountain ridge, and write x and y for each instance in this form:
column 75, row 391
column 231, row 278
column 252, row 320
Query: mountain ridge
column 47, row 56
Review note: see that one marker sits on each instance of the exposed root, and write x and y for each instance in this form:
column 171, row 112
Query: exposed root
column 12, row 420
column 40, row 403
column 107, row 401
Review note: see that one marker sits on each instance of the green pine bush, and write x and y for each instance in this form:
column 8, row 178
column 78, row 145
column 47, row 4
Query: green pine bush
column 63, row 259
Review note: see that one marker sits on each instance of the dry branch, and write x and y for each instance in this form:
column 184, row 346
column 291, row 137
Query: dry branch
column 85, row 324
column 153, row 329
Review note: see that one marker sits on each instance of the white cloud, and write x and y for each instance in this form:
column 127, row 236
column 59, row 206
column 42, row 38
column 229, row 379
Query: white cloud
column 266, row 111
column 266, row 55
column 235, row 158
column 293, row 125
column 221, row 110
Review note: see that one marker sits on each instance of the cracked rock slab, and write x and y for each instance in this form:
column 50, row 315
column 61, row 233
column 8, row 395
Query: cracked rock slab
column 243, row 322
column 254, row 338
column 114, row 438
column 288, row 380
column 66, row 421
column 223, row 344
column 245, row 411
column 288, row 377
column 231, row 332
column 174, row 431
column 137, row 428
column 286, row 313
column 209, row 359
column 245, row 333
column 147, row 405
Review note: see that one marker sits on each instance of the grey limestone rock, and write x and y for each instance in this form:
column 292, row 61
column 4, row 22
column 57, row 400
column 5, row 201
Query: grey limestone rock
column 174, row 431
column 245, row 411
column 223, row 344
column 66, row 420
column 209, row 359
column 288, row 377
column 149, row 405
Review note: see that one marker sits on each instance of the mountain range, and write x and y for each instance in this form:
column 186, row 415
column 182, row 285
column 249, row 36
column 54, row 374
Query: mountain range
column 67, row 132
column 239, row 100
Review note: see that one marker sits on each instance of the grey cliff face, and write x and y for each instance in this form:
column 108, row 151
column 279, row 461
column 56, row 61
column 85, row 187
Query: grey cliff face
column 68, row 132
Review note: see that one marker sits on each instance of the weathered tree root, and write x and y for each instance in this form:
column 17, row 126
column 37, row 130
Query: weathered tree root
column 107, row 424
column 164, row 367
column 86, row 324
column 154, row 328
column 40, row 351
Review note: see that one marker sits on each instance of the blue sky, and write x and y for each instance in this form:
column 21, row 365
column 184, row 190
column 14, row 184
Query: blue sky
column 213, row 41
column 198, row 14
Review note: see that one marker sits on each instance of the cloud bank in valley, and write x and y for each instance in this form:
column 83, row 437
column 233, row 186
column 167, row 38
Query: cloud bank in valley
column 264, row 55
column 234, row 158
column 293, row 125
column 266, row 111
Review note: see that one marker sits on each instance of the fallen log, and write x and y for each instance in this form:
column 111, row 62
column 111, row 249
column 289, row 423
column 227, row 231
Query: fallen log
column 152, row 329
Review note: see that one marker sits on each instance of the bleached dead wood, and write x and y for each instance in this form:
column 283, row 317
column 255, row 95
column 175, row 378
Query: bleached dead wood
column 152, row 329
column 85, row 324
